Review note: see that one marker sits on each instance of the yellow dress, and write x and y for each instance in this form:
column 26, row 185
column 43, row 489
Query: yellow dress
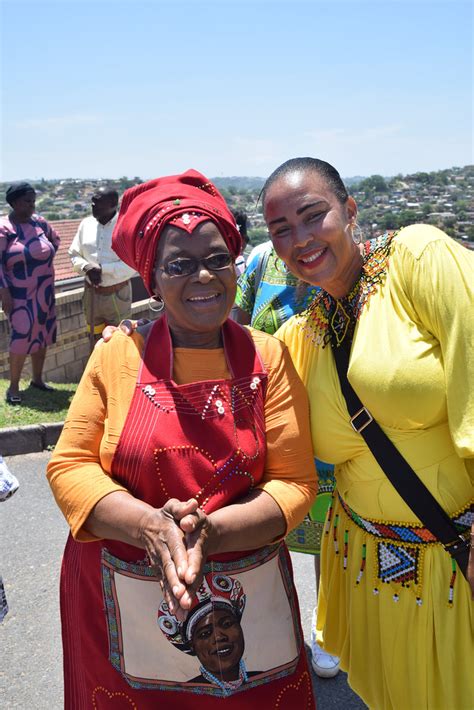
column 411, row 646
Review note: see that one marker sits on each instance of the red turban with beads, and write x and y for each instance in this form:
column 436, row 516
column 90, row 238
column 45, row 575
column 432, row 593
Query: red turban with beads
column 181, row 200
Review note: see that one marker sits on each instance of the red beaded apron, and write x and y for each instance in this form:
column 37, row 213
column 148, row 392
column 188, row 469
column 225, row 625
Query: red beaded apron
column 122, row 646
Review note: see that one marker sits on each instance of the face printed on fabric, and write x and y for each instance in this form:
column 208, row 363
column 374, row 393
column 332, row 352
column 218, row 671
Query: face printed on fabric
column 199, row 301
column 218, row 642
column 309, row 228
column 24, row 206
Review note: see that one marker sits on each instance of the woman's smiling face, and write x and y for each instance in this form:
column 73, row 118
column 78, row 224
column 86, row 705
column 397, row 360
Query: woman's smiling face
column 218, row 642
column 201, row 301
column 310, row 228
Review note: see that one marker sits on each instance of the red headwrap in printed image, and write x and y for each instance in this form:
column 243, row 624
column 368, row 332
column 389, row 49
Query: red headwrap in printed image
column 216, row 591
column 183, row 200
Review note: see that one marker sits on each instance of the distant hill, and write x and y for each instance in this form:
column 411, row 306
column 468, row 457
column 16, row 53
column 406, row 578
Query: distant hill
column 238, row 183
column 256, row 183
column 349, row 181
column 444, row 198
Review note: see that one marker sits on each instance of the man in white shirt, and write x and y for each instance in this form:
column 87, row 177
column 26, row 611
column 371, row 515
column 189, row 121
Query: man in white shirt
column 107, row 288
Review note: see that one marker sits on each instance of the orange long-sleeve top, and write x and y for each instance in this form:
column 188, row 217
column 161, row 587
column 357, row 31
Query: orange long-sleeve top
column 79, row 471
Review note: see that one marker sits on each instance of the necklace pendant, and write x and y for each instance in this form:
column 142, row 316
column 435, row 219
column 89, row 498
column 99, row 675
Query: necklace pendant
column 340, row 322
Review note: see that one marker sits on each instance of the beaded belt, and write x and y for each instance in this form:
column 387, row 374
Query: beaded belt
column 406, row 532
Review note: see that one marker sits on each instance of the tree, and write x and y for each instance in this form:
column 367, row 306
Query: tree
column 258, row 235
column 407, row 217
column 367, row 216
column 374, row 183
column 460, row 206
column 470, row 233
column 424, row 178
column 390, row 221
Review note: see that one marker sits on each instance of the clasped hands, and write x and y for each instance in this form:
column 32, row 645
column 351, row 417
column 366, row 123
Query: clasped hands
column 177, row 539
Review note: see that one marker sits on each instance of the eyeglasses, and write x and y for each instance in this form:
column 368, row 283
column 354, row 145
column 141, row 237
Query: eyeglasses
column 188, row 266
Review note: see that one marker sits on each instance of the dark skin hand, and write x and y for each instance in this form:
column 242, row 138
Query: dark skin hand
column 94, row 275
column 179, row 537
column 7, row 301
column 252, row 522
column 120, row 516
column 170, row 534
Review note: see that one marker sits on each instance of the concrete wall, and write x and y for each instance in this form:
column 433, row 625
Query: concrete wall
column 65, row 361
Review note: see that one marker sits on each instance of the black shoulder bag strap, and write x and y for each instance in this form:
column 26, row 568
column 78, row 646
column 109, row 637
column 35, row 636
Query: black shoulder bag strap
column 396, row 468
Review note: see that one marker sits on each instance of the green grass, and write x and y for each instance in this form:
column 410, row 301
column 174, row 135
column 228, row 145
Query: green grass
column 37, row 407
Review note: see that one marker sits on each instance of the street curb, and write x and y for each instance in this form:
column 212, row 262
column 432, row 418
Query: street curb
column 29, row 439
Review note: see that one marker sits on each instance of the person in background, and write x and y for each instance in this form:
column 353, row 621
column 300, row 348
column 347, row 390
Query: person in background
column 267, row 295
column 28, row 245
column 258, row 249
column 8, row 486
column 107, row 287
column 184, row 459
column 394, row 604
column 241, row 220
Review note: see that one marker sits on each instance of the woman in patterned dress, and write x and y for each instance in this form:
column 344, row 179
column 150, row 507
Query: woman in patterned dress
column 27, row 248
column 393, row 605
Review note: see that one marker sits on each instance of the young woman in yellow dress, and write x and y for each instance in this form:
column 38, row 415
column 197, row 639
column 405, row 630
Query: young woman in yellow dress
column 396, row 609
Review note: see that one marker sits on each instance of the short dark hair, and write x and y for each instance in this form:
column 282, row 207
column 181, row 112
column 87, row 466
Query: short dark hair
column 107, row 193
column 241, row 220
column 18, row 190
column 314, row 165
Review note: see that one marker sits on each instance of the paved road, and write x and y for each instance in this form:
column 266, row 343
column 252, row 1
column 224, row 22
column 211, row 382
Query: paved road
column 33, row 534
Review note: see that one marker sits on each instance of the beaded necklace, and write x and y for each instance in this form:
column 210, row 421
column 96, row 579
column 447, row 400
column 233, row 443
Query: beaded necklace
column 327, row 316
column 227, row 686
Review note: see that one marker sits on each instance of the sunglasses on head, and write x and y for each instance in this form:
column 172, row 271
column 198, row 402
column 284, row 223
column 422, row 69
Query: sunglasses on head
column 188, row 265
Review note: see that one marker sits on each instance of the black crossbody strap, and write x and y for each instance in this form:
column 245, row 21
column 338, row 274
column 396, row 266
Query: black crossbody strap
column 398, row 471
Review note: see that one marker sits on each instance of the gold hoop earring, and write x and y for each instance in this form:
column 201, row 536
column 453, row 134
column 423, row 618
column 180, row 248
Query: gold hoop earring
column 356, row 233
column 159, row 301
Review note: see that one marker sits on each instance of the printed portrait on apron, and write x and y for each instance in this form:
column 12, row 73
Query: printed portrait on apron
column 222, row 644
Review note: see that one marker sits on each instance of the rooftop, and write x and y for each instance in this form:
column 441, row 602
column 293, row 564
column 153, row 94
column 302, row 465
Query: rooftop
column 66, row 228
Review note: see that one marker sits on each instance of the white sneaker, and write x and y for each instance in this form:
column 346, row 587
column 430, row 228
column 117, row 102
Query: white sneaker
column 8, row 482
column 324, row 665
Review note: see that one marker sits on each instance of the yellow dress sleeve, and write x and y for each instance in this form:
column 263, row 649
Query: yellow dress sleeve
column 290, row 475
column 437, row 274
column 79, row 469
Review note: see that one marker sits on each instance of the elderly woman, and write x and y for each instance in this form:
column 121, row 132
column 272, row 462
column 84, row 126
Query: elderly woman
column 27, row 248
column 392, row 325
column 185, row 456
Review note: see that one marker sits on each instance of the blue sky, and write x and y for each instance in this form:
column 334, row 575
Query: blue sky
column 105, row 88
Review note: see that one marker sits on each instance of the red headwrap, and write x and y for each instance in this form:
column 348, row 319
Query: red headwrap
column 184, row 200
